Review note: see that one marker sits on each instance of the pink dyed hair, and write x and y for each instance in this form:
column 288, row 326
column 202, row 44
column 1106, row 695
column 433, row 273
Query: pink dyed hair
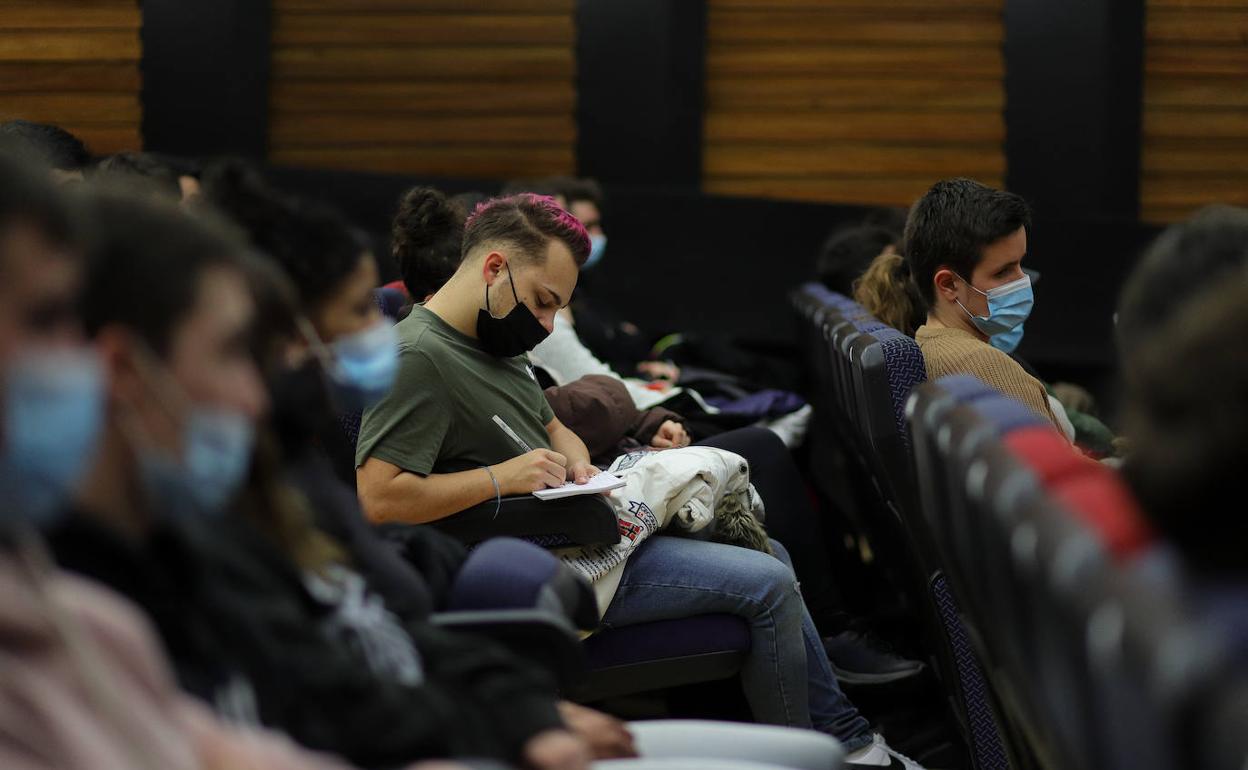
column 530, row 222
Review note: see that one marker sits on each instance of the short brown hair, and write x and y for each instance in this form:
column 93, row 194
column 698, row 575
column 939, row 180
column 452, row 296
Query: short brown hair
column 528, row 222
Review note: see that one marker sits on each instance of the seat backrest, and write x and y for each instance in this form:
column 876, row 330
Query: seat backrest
column 1105, row 504
column 926, row 409
column 966, row 430
column 1006, row 414
column 1048, row 454
column 1096, row 492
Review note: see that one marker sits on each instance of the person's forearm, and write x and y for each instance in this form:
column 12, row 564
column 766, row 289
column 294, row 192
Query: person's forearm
column 568, row 444
column 409, row 498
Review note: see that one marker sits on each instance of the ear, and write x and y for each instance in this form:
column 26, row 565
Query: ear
column 115, row 346
column 945, row 283
column 491, row 266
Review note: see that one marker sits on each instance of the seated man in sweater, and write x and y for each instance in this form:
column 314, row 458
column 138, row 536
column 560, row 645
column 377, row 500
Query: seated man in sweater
column 431, row 448
column 964, row 250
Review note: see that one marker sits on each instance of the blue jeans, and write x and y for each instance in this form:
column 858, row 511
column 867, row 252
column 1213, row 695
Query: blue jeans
column 786, row 675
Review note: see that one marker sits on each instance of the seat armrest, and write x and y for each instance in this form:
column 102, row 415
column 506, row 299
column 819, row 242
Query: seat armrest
column 582, row 520
column 539, row 636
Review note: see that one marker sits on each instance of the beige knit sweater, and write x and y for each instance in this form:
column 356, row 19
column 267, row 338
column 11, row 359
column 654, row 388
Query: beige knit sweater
column 954, row 351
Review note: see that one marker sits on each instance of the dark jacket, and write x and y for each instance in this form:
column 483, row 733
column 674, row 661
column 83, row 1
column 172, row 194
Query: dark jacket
column 599, row 409
column 237, row 617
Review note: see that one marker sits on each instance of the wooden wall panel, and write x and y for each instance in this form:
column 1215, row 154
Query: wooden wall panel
column 474, row 88
column 1195, row 117
column 74, row 63
column 851, row 100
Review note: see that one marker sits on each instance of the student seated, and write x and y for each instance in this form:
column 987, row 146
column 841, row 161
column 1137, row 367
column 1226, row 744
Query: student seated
column 1182, row 321
column 430, row 449
column 429, row 225
column 848, row 251
column 94, row 686
column 1209, row 248
column 1187, row 419
column 964, row 248
column 250, row 631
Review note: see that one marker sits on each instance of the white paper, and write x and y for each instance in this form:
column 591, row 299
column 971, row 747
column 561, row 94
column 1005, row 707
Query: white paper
column 603, row 482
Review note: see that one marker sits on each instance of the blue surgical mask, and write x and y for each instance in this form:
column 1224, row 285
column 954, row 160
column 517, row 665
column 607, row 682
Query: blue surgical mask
column 363, row 366
column 53, row 414
column 216, row 455
column 1009, row 305
column 597, row 245
column 1007, row 342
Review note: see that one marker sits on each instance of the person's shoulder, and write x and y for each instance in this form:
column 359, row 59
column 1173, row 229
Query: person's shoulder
column 417, row 330
column 963, row 351
column 980, row 355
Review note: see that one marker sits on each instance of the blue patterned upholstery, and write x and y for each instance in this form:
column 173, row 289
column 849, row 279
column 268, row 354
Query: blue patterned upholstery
column 986, row 746
column 1006, row 414
column 964, row 387
column 906, row 370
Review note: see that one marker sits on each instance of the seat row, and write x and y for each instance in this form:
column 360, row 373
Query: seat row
column 1066, row 637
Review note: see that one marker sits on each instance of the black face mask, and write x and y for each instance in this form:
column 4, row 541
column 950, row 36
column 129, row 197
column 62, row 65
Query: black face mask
column 517, row 332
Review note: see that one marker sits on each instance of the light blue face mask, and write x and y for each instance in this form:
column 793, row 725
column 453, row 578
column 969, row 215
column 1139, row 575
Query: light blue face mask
column 1007, row 342
column 1009, row 305
column 216, row 455
column 362, row 366
column 53, row 414
column 597, row 245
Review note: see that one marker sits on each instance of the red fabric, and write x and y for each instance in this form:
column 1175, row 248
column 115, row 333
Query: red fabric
column 1093, row 491
column 398, row 285
column 1103, row 500
column 1047, row 453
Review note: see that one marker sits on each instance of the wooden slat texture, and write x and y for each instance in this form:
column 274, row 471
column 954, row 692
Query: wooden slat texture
column 883, row 7
column 741, row 93
column 1195, row 115
column 461, row 63
column 874, row 191
column 430, row 6
column 69, row 46
column 448, row 161
column 1213, row 61
column 890, row 60
column 42, row 77
column 1202, row 27
column 86, row 14
column 423, row 29
column 832, row 125
column 74, row 63
column 862, row 27
column 346, row 130
column 849, row 160
column 544, row 97
column 851, row 100
column 468, row 88
column 1192, row 92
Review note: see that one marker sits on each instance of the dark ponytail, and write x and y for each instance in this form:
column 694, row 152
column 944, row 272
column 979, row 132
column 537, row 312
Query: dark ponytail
column 427, row 238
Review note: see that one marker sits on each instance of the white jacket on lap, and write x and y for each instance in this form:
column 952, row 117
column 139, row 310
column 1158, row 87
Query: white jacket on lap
column 687, row 487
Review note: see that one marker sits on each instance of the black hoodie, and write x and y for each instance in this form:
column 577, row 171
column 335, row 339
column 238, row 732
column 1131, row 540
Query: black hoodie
column 242, row 627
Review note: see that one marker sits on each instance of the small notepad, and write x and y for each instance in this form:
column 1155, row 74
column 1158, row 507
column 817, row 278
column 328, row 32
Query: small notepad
column 603, row 482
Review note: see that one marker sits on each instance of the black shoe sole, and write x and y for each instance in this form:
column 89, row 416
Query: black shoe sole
column 858, row 678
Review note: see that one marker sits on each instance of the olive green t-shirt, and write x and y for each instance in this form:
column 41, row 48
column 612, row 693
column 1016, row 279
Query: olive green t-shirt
column 438, row 416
